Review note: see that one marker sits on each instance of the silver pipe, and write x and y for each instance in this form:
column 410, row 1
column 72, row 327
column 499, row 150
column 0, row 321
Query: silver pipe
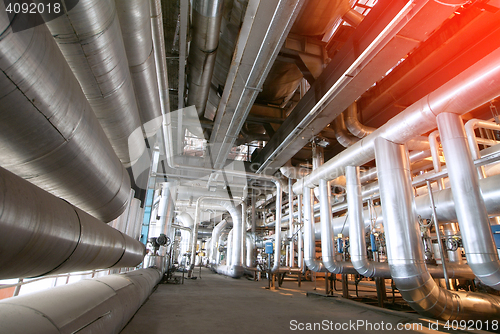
column 215, row 240
column 438, row 235
column 100, row 305
column 159, row 55
column 309, row 240
column 473, row 141
column 405, row 251
column 49, row 133
column 357, row 230
column 300, row 242
column 207, row 18
column 290, row 225
column 436, row 161
column 135, row 24
column 90, row 39
column 473, row 220
column 473, row 87
column 354, row 125
column 132, row 218
column 43, row 234
column 341, row 134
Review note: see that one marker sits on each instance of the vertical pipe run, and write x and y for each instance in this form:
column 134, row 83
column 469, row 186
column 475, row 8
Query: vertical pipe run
column 359, row 257
column 309, row 239
column 404, row 247
column 290, row 224
column 472, row 216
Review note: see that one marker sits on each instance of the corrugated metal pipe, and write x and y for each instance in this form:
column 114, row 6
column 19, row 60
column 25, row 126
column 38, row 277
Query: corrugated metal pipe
column 477, row 237
column 90, row 39
column 100, row 305
column 43, row 234
column 473, row 87
column 207, row 17
column 48, row 132
column 405, row 250
column 135, row 23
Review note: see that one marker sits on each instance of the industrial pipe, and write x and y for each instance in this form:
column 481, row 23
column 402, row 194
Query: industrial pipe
column 472, row 140
column 473, row 87
column 341, row 134
column 477, row 237
column 101, row 305
column 405, row 250
column 43, row 234
column 135, row 24
column 357, row 231
column 309, row 240
column 207, row 18
column 49, row 133
column 90, row 39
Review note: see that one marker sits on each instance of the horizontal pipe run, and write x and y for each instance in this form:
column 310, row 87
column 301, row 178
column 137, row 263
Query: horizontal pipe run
column 473, row 87
column 100, row 305
column 48, row 132
column 43, row 234
column 90, row 39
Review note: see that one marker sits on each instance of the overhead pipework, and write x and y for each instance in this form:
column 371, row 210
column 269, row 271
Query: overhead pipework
column 90, row 39
column 135, row 24
column 49, row 134
column 207, row 17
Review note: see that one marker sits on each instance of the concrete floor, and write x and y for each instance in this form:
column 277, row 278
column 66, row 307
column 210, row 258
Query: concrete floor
column 218, row 304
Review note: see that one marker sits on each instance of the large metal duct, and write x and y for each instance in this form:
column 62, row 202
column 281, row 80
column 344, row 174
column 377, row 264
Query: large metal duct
column 43, row 234
column 48, row 132
column 325, row 14
column 341, row 134
column 100, row 305
column 405, row 251
column 90, row 39
column 207, row 16
column 135, row 23
column 473, row 87
column 477, row 237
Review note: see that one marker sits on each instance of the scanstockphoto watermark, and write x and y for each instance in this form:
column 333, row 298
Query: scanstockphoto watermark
column 364, row 325
column 357, row 325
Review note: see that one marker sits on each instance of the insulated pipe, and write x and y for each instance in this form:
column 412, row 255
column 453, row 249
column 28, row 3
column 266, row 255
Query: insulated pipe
column 166, row 208
column 341, row 134
column 216, row 232
column 249, row 242
column 357, row 241
column 292, row 172
column 405, row 251
column 90, row 39
column 473, row 220
column 48, row 132
column 300, row 241
column 135, row 206
column 473, row 87
column 229, row 247
column 135, row 24
column 100, row 305
column 207, row 17
column 290, row 224
column 160, row 55
column 43, row 234
column 472, row 140
column 436, row 161
column 353, row 124
column 309, row 240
